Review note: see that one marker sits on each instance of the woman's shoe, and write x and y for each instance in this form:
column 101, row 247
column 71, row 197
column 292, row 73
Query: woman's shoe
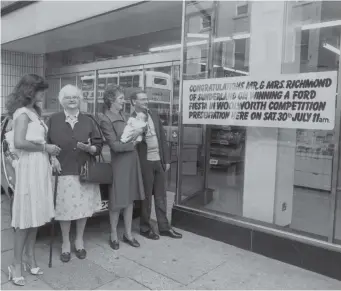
column 19, row 281
column 114, row 244
column 65, row 257
column 81, row 254
column 134, row 243
column 33, row 271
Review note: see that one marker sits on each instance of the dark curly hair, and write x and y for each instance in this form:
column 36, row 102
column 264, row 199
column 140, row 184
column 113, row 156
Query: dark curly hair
column 24, row 93
column 110, row 94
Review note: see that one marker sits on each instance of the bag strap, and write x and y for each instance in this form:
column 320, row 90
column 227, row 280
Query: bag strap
column 112, row 125
column 100, row 132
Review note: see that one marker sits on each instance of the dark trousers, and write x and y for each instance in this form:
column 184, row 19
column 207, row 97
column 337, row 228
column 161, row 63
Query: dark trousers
column 154, row 180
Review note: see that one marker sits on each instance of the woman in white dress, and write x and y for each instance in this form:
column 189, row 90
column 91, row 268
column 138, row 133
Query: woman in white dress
column 33, row 196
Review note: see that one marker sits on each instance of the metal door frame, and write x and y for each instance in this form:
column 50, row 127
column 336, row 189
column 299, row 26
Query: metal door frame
column 336, row 162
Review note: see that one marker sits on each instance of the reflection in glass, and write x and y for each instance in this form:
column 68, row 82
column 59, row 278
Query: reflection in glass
column 217, row 46
column 86, row 83
column 310, row 47
column 51, row 100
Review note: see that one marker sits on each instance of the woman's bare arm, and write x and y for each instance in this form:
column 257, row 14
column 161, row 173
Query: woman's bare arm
column 20, row 129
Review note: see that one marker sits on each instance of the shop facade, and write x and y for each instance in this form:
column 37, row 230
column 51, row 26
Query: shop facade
column 272, row 190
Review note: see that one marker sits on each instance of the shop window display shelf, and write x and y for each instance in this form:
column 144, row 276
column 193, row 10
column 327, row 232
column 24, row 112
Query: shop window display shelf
column 227, row 146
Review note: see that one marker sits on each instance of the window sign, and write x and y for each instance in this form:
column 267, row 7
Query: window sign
column 287, row 101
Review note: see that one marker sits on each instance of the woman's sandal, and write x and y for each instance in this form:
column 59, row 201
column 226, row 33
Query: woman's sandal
column 19, row 281
column 34, row 271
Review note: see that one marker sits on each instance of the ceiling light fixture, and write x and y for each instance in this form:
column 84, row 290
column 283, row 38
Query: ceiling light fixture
column 197, row 35
column 241, row 36
column 202, row 42
column 331, row 48
column 321, row 24
column 236, row 71
column 222, row 39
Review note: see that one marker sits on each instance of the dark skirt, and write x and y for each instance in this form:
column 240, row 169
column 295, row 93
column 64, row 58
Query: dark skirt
column 127, row 180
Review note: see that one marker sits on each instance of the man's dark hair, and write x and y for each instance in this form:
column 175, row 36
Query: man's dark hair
column 133, row 96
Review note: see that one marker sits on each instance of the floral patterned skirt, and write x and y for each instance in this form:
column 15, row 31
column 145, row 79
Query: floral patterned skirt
column 76, row 200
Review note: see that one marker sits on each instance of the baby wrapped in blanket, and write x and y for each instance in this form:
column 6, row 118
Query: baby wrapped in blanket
column 134, row 129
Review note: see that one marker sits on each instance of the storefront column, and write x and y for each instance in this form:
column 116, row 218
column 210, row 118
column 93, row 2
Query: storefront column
column 269, row 161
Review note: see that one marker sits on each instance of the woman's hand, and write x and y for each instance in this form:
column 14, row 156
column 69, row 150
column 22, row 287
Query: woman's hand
column 56, row 165
column 52, row 149
column 86, row 147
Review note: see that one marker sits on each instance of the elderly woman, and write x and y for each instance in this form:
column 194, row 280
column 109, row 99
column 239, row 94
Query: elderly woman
column 127, row 179
column 78, row 137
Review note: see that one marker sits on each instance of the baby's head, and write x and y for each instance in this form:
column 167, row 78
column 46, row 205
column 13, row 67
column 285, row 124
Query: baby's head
column 141, row 116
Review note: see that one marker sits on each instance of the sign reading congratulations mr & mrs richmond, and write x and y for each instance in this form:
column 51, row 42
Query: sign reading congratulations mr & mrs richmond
column 286, row 101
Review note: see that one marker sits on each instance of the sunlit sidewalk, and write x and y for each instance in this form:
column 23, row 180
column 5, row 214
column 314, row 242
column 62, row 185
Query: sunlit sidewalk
column 194, row 262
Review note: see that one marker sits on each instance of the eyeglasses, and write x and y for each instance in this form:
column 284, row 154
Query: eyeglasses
column 71, row 97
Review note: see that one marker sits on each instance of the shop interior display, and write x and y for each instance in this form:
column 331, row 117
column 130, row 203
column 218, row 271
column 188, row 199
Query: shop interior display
column 227, row 146
column 314, row 157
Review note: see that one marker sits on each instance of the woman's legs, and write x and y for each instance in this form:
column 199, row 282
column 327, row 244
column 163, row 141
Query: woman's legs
column 20, row 237
column 80, row 226
column 65, row 228
column 30, row 247
column 128, row 218
column 114, row 217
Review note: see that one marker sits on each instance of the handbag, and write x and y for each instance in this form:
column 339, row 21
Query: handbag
column 93, row 171
column 98, row 172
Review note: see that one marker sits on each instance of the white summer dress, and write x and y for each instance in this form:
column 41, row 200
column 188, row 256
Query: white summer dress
column 33, row 196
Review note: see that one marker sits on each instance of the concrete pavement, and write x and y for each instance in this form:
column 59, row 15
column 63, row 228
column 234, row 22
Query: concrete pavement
column 191, row 263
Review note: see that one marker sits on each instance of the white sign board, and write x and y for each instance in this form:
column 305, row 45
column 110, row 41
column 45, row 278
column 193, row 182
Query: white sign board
column 287, row 101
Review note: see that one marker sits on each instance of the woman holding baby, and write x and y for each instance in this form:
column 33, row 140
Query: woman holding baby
column 127, row 179
column 33, row 197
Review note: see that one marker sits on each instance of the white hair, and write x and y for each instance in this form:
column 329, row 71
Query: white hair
column 69, row 90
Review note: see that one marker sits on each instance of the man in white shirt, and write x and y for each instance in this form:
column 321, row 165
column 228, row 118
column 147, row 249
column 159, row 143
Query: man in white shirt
column 154, row 159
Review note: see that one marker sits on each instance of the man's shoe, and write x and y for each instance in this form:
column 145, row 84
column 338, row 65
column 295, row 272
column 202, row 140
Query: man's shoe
column 171, row 233
column 149, row 234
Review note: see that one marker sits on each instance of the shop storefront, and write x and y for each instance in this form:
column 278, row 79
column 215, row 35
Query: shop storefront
column 263, row 176
column 255, row 175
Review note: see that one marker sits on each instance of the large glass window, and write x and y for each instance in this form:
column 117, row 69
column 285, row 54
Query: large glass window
column 278, row 177
column 160, row 81
column 312, row 44
column 216, row 46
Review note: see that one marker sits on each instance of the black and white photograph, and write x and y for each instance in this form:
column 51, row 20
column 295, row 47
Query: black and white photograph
column 170, row 145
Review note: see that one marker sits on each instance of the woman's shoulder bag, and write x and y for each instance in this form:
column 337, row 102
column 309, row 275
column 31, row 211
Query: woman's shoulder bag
column 93, row 171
